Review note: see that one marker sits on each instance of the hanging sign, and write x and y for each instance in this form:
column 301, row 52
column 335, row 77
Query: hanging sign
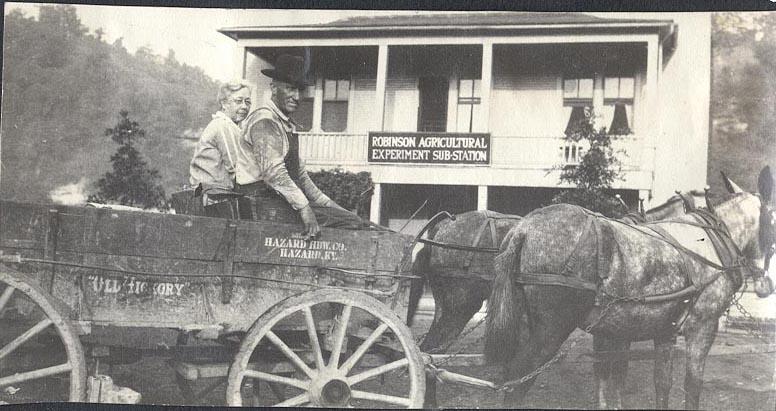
column 429, row 148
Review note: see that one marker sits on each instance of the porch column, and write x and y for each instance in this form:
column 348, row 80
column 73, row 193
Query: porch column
column 482, row 198
column 486, row 85
column 382, row 74
column 650, row 127
column 645, row 195
column 650, row 96
column 238, row 62
column 317, row 104
column 598, row 99
column 379, row 122
column 374, row 208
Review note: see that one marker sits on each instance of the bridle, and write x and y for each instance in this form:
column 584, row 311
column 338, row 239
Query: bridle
column 767, row 218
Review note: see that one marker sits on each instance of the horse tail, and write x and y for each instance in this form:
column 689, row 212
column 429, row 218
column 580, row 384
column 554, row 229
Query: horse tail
column 505, row 305
column 420, row 266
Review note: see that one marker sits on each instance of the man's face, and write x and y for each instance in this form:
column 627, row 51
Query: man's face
column 285, row 96
column 237, row 105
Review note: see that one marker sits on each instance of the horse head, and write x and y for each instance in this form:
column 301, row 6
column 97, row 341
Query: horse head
column 765, row 225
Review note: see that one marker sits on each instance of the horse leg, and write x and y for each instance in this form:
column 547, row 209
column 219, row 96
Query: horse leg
column 699, row 337
column 602, row 371
column 619, row 374
column 539, row 350
column 609, row 373
column 454, row 306
column 664, row 370
column 549, row 324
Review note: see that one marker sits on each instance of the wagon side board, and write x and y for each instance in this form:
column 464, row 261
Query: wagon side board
column 179, row 271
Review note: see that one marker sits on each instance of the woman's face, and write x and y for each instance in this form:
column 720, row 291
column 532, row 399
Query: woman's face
column 237, row 105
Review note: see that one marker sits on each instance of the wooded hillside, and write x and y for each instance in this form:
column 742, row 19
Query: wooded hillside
column 743, row 97
column 63, row 87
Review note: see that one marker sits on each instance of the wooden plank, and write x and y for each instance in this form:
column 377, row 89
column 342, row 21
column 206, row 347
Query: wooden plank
column 22, row 224
column 142, row 234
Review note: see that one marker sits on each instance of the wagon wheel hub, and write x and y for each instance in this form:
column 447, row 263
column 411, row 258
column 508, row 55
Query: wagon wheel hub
column 333, row 380
column 335, row 393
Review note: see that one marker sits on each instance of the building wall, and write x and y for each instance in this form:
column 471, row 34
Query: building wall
column 401, row 104
column 363, row 112
column 527, row 101
column 684, row 93
column 526, row 104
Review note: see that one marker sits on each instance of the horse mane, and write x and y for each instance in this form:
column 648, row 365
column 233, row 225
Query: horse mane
column 724, row 198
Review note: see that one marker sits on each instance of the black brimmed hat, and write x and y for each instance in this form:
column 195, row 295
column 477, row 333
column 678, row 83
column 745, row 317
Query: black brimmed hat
column 288, row 69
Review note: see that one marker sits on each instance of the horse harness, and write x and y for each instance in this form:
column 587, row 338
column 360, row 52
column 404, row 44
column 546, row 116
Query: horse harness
column 489, row 225
column 731, row 257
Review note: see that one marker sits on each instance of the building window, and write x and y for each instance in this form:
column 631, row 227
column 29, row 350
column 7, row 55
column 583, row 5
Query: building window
column 468, row 104
column 577, row 98
column 304, row 113
column 618, row 104
column 334, row 116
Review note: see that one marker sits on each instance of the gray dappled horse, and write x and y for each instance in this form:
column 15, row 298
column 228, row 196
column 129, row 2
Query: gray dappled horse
column 563, row 267
column 461, row 280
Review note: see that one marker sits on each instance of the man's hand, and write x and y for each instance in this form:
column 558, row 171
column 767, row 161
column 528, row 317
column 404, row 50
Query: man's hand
column 311, row 228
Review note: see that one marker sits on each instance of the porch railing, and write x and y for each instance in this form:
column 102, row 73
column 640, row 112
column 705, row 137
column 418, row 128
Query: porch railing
column 333, row 148
column 506, row 151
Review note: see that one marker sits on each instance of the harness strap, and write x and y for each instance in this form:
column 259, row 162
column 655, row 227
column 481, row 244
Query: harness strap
column 663, row 235
column 492, row 216
column 688, row 200
column 555, row 279
column 570, row 265
column 476, row 243
column 668, row 237
column 493, row 233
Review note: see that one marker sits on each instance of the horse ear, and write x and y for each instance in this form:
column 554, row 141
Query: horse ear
column 732, row 187
column 765, row 184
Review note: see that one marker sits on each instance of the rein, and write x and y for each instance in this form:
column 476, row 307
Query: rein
column 489, row 222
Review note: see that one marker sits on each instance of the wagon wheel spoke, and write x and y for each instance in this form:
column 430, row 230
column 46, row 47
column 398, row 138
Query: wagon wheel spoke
column 35, row 330
column 291, row 355
column 327, row 383
column 36, row 374
column 389, row 399
column 313, row 334
column 5, row 297
column 362, row 349
column 265, row 376
column 339, row 335
column 300, row 399
column 374, row 372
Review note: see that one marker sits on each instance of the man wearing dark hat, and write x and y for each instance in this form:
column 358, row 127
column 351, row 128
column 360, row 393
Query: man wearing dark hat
column 269, row 155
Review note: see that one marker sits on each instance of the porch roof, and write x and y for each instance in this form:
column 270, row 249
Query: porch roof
column 455, row 24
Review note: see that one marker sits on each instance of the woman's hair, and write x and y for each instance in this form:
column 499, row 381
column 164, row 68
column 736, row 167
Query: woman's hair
column 226, row 89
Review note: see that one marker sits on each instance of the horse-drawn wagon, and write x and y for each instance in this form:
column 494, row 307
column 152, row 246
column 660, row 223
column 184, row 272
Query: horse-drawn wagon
column 317, row 321
column 314, row 319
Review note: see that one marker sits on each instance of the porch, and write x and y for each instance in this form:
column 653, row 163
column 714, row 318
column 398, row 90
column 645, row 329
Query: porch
column 536, row 159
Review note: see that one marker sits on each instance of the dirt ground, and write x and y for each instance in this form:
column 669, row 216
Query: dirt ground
column 739, row 376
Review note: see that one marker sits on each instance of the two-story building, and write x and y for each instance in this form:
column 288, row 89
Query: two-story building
column 469, row 110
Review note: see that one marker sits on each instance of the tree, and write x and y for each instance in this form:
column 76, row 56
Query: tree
column 61, row 88
column 595, row 173
column 131, row 182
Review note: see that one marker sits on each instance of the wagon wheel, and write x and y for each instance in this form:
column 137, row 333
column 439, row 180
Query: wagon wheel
column 331, row 378
column 39, row 347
